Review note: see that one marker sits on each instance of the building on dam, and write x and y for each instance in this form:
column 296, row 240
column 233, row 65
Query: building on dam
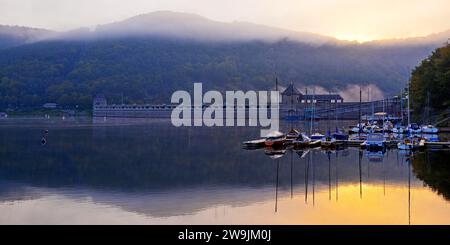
column 294, row 104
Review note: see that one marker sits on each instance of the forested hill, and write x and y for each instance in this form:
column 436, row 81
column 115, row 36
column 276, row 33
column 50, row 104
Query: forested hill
column 142, row 60
column 150, row 69
column 430, row 83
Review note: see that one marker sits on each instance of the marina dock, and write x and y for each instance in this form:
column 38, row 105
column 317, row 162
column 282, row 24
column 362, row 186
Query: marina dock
column 391, row 144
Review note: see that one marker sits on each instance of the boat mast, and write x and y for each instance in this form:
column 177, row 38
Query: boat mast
column 384, row 111
column 328, row 113
column 312, row 113
column 428, row 108
column 409, row 120
column 359, row 123
column 401, row 108
column 373, row 106
column 335, row 111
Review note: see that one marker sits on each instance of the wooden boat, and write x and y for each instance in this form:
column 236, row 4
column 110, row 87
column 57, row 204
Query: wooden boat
column 275, row 139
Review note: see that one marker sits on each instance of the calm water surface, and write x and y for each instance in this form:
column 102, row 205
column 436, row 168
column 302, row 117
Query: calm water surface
column 149, row 172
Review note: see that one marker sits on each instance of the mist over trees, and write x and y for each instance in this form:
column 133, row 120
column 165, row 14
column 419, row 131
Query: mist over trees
column 151, row 69
column 146, row 58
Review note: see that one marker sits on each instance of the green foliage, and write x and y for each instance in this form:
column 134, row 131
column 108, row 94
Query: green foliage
column 434, row 171
column 432, row 77
column 148, row 69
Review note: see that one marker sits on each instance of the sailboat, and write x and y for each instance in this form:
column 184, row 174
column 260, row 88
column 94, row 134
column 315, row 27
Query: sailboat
column 314, row 136
column 359, row 128
column 429, row 129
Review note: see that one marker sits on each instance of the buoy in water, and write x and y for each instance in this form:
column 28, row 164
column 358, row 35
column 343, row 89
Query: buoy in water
column 43, row 141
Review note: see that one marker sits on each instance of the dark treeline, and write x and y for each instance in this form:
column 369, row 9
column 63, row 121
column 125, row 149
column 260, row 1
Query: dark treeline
column 430, row 83
column 138, row 70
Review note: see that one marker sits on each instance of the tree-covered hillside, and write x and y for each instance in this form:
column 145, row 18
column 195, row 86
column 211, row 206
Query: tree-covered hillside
column 150, row 69
column 430, row 83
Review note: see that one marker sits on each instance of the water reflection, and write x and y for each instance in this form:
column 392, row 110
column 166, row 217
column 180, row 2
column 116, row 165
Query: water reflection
column 154, row 173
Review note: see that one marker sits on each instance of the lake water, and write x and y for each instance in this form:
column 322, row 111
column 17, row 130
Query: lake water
column 149, row 172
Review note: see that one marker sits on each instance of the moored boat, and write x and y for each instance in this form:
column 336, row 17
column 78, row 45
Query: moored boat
column 407, row 144
column 328, row 142
column 430, row 129
column 374, row 141
column 301, row 141
column 414, row 128
column 339, row 135
column 275, row 139
column 398, row 129
column 359, row 128
column 292, row 135
column 317, row 136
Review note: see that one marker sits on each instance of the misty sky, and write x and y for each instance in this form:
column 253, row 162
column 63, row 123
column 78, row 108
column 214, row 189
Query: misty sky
column 360, row 20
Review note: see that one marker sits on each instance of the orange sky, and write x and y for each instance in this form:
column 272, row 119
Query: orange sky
column 360, row 20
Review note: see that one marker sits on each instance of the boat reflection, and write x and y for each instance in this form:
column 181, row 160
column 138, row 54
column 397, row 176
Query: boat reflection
column 115, row 175
column 383, row 159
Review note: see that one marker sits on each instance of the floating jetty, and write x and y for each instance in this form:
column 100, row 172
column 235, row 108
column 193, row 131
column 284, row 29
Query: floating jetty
column 390, row 144
column 437, row 144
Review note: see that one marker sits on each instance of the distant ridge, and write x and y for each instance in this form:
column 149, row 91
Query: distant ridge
column 11, row 36
column 196, row 27
column 178, row 25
